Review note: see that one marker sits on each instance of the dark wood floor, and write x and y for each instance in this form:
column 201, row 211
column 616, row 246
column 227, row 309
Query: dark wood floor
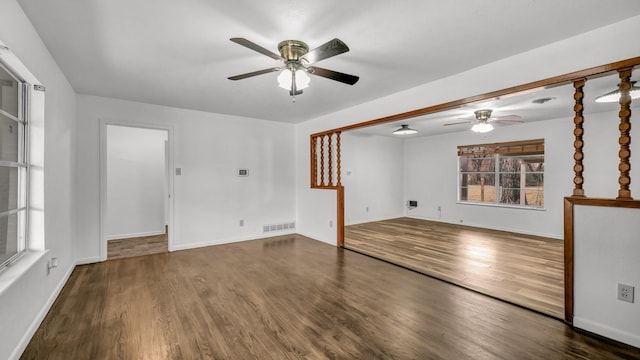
column 290, row 298
column 138, row 246
column 522, row 269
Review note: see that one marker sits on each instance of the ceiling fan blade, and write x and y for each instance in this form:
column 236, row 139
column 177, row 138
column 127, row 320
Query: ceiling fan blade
column 333, row 75
column 507, row 118
column 458, row 123
column 255, row 47
column 255, row 73
column 330, row 48
column 507, row 122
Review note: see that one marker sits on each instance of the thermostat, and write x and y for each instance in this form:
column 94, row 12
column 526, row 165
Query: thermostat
column 243, row 172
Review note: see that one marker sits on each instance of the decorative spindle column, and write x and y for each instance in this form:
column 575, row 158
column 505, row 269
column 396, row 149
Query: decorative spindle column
column 330, row 161
column 625, row 138
column 322, row 160
column 578, row 143
column 338, row 171
column 314, row 161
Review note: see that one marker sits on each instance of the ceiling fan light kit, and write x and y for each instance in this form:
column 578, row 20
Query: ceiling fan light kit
column 405, row 130
column 483, row 125
column 286, row 78
column 614, row 96
column 297, row 60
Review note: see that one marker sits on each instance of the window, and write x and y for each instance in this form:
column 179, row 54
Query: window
column 13, row 167
column 510, row 173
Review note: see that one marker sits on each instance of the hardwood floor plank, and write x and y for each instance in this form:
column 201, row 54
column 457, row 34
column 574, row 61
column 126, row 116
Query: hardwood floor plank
column 137, row 246
column 525, row 270
column 290, row 298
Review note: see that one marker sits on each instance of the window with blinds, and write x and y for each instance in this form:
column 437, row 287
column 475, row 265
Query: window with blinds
column 13, row 167
column 508, row 173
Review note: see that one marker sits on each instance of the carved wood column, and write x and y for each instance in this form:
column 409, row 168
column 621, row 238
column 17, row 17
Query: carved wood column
column 338, row 171
column 578, row 143
column 625, row 138
column 330, row 160
column 313, row 161
column 322, row 160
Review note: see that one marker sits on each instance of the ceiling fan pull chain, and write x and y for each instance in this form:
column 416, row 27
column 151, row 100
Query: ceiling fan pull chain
column 293, row 84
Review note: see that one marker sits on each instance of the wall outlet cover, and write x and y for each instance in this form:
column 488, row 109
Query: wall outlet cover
column 625, row 292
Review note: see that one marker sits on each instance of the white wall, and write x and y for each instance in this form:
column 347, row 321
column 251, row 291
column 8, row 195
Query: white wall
column 209, row 199
column 430, row 174
column 135, row 182
column 606, row 239
column 432, row 178
column 606, row 253
column 26, row 297
column 316, row 207
column 372, row 174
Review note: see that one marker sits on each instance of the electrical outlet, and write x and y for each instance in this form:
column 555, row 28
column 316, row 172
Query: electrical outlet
column 330, row 223
column 241, row 222
column 625, row 292
column 367, row 209
column 51, row 263
column 439, row 208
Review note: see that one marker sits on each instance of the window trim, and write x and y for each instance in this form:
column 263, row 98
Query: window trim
column 22, row 209
column 497, row 150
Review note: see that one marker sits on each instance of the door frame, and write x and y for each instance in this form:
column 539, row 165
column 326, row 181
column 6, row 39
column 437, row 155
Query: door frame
column 103, row 178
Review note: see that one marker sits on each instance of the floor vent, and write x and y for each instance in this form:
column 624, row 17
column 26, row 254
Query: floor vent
column 278, row 227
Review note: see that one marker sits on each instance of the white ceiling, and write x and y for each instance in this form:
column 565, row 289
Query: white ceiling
column 178, row 53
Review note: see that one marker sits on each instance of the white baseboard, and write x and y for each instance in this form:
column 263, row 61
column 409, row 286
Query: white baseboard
column 607, row 331
column 134, row 235
column 26, row 338
column 364, row 221
column 316, row 238
column 499, row 228
column 236, row 239
column 89, row 260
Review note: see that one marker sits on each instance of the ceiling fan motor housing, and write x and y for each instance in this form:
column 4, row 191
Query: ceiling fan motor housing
column 483, row 115
column 293, row 50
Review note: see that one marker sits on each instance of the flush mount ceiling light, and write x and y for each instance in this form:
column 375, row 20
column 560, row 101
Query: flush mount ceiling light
column 298, row 60
column 614, row 96
column 405, row 130
column 483, row 125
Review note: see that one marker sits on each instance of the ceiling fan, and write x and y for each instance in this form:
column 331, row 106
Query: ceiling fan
column 484, row 121
column 298, row 61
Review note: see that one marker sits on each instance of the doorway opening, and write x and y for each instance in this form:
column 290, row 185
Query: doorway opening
column 135, row 191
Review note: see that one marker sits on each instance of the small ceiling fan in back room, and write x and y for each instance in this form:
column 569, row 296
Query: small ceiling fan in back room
column 484, row 121
column 298, row 61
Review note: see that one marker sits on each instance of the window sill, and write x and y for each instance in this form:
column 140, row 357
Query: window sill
column 12, row 274
column 502, row 206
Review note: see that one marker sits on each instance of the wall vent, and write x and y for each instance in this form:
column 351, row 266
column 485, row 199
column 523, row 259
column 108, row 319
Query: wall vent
column 278, row 227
